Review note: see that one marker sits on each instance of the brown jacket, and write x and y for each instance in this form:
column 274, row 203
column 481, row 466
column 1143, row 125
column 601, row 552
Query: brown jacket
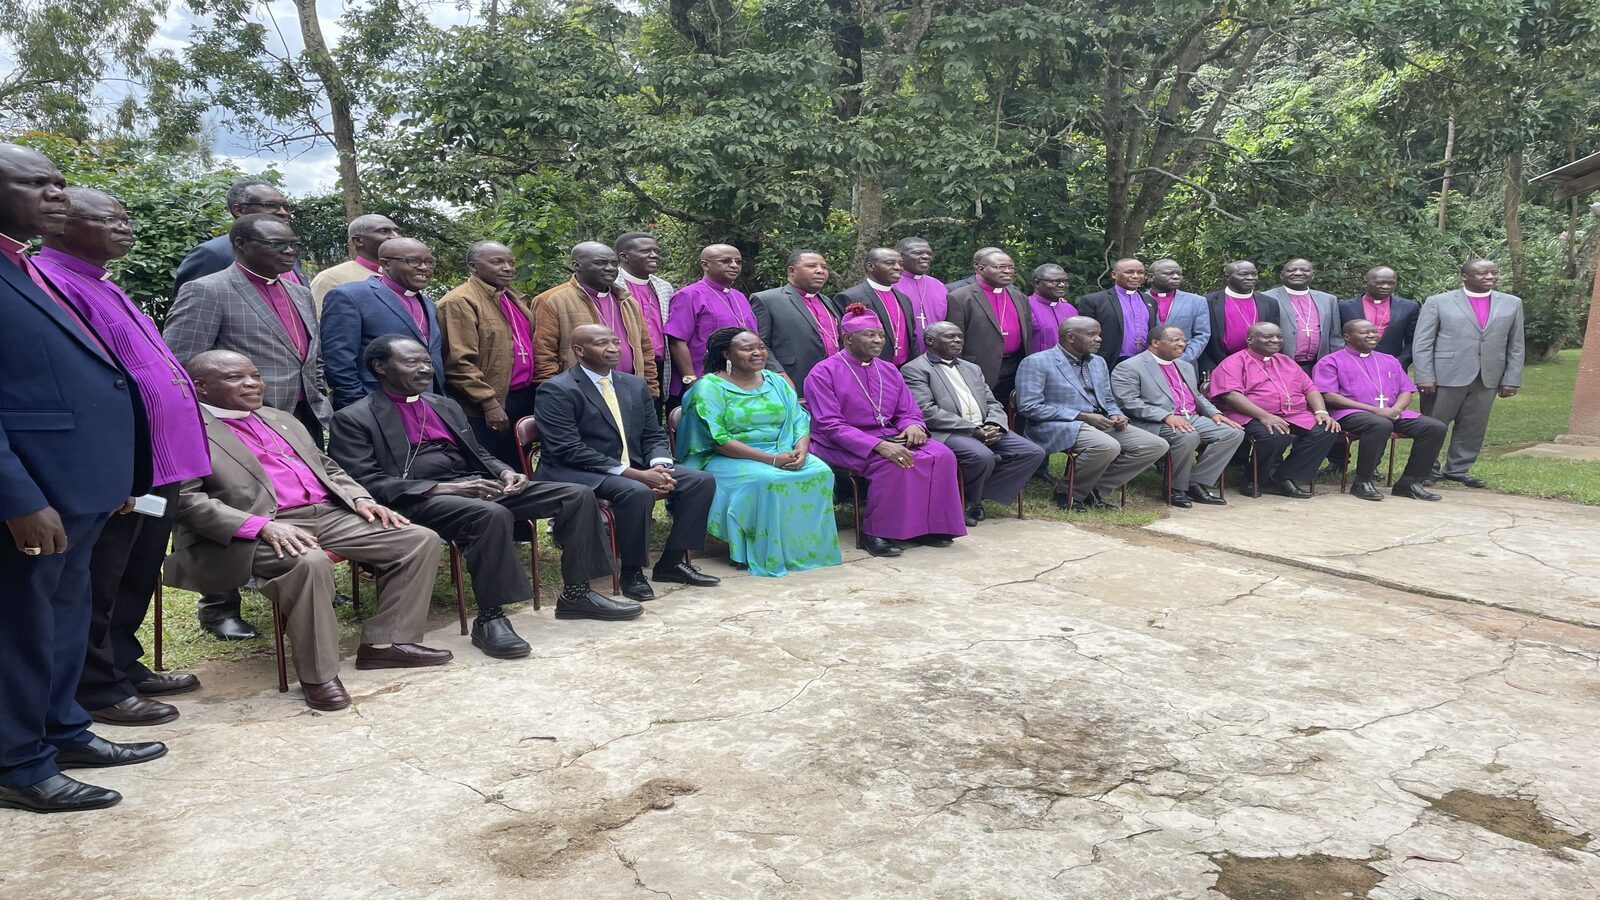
column 558, row 311
column 205, row 555
column 477, row 344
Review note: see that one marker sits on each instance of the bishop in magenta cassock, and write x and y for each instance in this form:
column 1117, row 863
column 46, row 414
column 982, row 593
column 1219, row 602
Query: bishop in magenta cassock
column 1050, row 306
column 929, row 296
column 864, row 420
column 1264, row 390
column 1369, row 393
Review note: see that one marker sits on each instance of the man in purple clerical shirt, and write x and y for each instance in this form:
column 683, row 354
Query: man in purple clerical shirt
column 996, row 319
column 892, row 307
column 699, row 309
column 487, row 330
column 245, row 197
column 1233, row 309
column 126, row 564
column 1049, row 305
column 638, row 259
column 1309, row 318
column 1125, row 312
column 798, row 323
column 928, row 295
column 1179, row 308
column 1261, row 388
column 1369, row 394
column 393, row 302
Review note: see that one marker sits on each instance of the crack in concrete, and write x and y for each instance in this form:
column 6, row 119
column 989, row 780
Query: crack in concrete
column 1033, row 579
column 633, row 868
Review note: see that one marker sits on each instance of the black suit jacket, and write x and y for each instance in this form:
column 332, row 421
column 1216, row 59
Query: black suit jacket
column 578, row 439
column 1103, row 307
column 865, row 295
column 1266, row 311
column 970, row 311
column 368, row 440
column 1401, row 330
column 786, row 327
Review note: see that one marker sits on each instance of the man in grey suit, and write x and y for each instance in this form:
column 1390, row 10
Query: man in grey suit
column 1309, row 319
column 251, row 309
column 963, row 414
column 247, row 196
column 1176, row 306
column 1068, row 387
column 1160, row 393
column 798, row 323
column 1467, row 350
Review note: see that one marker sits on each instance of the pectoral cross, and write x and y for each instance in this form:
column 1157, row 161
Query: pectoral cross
column 882, row 419
column 1307, row 329
column 181, row 382
column 922, row 320
column 1382, row 401
column 522, row 355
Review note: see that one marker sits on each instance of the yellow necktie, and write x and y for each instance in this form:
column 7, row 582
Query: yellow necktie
column 610, row 396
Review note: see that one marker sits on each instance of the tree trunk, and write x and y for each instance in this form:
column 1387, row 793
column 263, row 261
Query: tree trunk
column 869, row 223
column 1116, row 137
column 1449, row 169
column 344, row 128
column 1514, row 245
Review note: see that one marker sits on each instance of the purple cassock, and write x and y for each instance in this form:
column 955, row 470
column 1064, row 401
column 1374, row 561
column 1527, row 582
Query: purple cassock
column 1135, row 321
column 178, row 449
column 1480, row 307
column 1275, row 383
column 697, row 311
column 610, row 309
column 1375, row 379
column 294, row 484
column 930, row 299
column 421, row 423
column 854, row 407
column 1047, row 318
column 521, row 342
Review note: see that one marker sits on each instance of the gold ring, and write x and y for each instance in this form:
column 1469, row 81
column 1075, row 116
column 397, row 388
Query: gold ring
column 32, row 551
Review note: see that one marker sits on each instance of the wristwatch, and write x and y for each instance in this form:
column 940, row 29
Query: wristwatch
column 688, row 380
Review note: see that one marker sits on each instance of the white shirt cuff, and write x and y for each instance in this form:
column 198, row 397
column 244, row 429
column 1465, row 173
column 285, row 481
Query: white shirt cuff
column 616, row 470
column 661, row 461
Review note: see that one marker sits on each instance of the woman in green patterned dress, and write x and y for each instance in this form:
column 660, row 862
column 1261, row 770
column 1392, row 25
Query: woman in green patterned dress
column 744, row 425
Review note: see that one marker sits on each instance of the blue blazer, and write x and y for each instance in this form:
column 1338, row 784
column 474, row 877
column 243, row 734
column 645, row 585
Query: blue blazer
column 1050, row 394
column 73, row 434
column 352, row 315
column 1402, row 328
column 209, row 258
column 1190, row 312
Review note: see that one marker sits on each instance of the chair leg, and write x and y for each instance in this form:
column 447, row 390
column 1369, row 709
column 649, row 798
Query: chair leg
column 533, row 559
column 277, row 643
column 1394, row 443
column 355, row 589
column 855, row 507
column 1020, row 492
column 1166, row 478
column 159, row 629
column 616, row 556
column 455, row 577
column 1072, row 477
column 1344, row 468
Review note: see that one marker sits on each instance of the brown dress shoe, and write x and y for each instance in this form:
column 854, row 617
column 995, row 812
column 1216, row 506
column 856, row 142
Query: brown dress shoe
column 135, row 710
column 329, row 696
column 160, row 685
column 400, row 656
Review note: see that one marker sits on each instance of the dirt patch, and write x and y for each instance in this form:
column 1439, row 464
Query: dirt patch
column 1517, row 818
column 541, row 845
column 1313, row 877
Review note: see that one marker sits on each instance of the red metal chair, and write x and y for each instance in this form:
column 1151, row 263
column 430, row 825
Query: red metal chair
column 526, row 432
column 1349, row 443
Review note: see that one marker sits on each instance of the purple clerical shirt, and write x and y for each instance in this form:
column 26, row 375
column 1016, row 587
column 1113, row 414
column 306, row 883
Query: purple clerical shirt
column 1480, row 308
column 1047, row 318
column 1005, row 313
column 698, row 310
column 421, row 422
column 897, row 323
column 1135, row 321
column 1275, row 383
column 1163, row 303
column 827, row 327
column 644, row 293
column 294, row 484
column 277, row 297
column 178, row 448
column 1375, row 379
column 1377, row 311
column 1238, row 314
column 930, row 299
column 610, row 310
column 409, row 300
column 521, row 342
column 1308, row 326
column 1182, row 398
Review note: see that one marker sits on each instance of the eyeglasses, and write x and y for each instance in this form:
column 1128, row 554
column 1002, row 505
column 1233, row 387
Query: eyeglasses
column 1052, row 281
column 415, row 262
column 280, row 246
column 107, row 221
column 284, row 205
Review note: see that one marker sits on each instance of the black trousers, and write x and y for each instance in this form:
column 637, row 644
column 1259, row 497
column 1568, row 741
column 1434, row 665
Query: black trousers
column 1372, row 435
column 124, row 570
column 1007, row 382
column 41, row 651
column 632, row 504
column 1307, row 447
column 485, row 530
column 502, row 445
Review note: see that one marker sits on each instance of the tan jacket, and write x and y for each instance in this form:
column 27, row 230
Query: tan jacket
column 347, row 272
column 561, row 309
column 478, row 348
column 205, row 555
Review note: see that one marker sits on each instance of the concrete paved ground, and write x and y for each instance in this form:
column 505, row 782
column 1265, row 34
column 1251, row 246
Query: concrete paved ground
column 1039, row 711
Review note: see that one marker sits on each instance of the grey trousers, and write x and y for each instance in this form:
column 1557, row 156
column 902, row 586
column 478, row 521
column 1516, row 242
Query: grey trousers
column 1109, row 459
column 407, row 560
column 1466, row 410
column 996, row 472
column 1215, row 444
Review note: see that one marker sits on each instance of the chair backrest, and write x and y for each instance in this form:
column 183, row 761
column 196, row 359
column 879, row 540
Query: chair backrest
column 526, row 432
column 673, row 418
column 1011, row 412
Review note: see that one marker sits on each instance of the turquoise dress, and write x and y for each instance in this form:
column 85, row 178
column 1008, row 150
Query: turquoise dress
column 773, row 520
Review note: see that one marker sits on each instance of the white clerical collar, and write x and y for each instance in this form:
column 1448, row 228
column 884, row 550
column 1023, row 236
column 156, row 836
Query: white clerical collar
column 914, row 276
column 273, row 279
column 1476, row 296
column 878, row 287
column 1230, row 293
column 1163, row 362
column 631, row 278
column 1364, row 355
column 413, row 398
column 991, row 290
column 1294, row 293
column 221, row 413
column 806, row 295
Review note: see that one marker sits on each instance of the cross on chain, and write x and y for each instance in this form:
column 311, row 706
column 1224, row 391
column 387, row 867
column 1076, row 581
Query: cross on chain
column 181, row 382
column 1383, row 400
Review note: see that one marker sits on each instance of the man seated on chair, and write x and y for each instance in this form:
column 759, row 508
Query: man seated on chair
column 963, row 414
column 1158, row 391
column 864, row 420
column 273, row 507
column 416, row 451
column 1370, row 393
column 599, row 430
column 1280, row 409
column 1068, row 387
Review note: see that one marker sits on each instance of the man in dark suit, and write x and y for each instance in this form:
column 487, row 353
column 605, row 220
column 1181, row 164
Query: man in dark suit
column 892, row 307
column 247, row 196
column 798, row 323
column 1126, row 313
column 1395, row 316
column 71, row 452
column 391, row 302
column 599, row 430
column 415, row 452
column 1234, row 308
column 997, row 320
column 977, row 262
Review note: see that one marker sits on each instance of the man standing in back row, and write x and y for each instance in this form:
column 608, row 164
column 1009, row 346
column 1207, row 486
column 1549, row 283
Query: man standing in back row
column 367, row 233
column 487, row 332
column 246, row 197
column 996, row 320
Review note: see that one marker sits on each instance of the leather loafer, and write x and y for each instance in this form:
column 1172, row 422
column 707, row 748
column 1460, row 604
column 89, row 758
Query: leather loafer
column 330, row 696
column 496, row 638
column 1291, row 490
column 1414, row 490
column 400, row 656
column 1471, row 481
column 635, row 587
column 1181, row 500
column 877, row 546
column 232, row 628
column 1364, row 490
column 1202, row 494
column 1250, row 490
column 936, row 540
column 1067, row 504
column 585, row 603
column 58, row 793
column 135, row 710
column 100, row 753
column 684, row 573
column 971, row 517
column 1097, row 501
column 168, row 683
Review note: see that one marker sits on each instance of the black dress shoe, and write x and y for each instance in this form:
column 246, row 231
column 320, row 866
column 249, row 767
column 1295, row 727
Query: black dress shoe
column 635, row 587
column 167, row 683
column 877, row 546
column 1181, row 500
column 1414, row 490
column 684, row 573
column 972, row 516
column 1250, row 490
column 1290, row 489
column 135, row 710
column 1067, row 504
column 936, row 540
column 340, row 600
column 100, row 753
column 496, row 638
column 1095, row 501
column 1364, row 490
column 579, row 602
column 232, row 628
column 1471, row 481
column 58, row 793
column 1202, row 494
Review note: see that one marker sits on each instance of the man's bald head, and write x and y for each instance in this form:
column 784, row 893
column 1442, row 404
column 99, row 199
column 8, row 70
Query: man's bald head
column 226, row 380
column 597, row 348
column 979, row 254
column 595, row 266
column 1242, row 276
column 98, row 229
column 1080, row 335
column 1380, row 282
column 407, row 261
column 369, row 232
column 722, row 263
column 33, row 199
